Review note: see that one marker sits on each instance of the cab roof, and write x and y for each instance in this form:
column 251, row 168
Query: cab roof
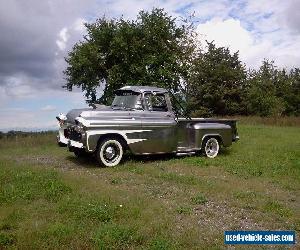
column 143, row 89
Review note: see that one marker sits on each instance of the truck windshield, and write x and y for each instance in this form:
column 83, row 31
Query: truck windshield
column 127, row 100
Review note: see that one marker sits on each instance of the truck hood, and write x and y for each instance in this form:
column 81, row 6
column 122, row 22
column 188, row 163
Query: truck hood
column 74, row 113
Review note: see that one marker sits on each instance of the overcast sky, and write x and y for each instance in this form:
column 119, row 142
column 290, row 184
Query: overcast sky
column 36, row 35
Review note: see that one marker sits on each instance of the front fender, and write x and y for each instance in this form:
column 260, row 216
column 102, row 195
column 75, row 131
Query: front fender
column 93, row 136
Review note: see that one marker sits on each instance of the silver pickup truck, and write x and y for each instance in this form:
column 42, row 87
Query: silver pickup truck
column 141, row 120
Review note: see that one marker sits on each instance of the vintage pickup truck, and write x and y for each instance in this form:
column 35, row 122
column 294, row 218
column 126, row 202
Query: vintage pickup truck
column 142, row 121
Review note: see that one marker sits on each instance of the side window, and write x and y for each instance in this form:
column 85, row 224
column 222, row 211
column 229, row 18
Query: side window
column 156, row 102
column 138, row 104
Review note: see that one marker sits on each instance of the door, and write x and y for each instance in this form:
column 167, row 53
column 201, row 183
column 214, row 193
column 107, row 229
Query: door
column 159, row 124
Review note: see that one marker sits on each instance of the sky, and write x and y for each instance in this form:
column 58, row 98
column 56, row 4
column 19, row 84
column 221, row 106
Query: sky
column 37, row 35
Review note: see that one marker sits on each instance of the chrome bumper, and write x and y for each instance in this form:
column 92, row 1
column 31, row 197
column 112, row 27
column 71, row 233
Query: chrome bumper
column 62, row 141
column 74, row 144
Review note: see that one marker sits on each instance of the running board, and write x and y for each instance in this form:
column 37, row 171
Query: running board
column 185, row 153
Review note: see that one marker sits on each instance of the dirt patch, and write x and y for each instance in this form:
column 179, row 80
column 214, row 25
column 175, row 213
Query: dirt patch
column 67, row 163
column 221, row 217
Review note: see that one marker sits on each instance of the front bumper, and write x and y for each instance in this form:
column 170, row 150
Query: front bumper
column 75, row 144
column 62, row 141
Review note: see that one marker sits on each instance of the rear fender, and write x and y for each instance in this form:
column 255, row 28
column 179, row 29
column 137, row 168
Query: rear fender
column 222, row 132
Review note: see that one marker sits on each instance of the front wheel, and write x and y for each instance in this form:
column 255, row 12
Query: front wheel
column 110, row 152
column 211, row 147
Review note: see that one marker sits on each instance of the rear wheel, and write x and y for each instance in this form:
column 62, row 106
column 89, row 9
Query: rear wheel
column 211, row 147
column 110, row 152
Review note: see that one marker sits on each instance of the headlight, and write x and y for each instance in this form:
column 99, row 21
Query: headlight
column 61, row 119
column 80, row 124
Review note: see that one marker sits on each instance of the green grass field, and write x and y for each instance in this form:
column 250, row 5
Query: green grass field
column 50, row 199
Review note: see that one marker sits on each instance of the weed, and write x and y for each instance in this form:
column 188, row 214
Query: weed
column 116, row 181
column 6, row 239
column 112, row 236
column 160, row 243
column 184, row 210
column 199, row 199
column 277, row 208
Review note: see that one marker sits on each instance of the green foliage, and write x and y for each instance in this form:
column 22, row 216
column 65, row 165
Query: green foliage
column 199, row 199
column 291, row 93
column 216, row 84
column 277, row 208
column 151, row 50
column 184, row 210
column 262, row 98
column 6, row 239
column 160, row 244
column 219, row 85
column 272, row 91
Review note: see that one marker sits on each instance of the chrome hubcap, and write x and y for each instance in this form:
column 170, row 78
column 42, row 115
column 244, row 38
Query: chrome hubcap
column 110, row 152
column 211, row 147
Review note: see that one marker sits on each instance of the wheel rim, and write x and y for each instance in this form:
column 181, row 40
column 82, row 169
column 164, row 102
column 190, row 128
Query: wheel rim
column 111, row 153
column 211, row 147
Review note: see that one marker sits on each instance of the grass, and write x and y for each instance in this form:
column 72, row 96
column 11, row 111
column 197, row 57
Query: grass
column 284, row 121
column 50, row 199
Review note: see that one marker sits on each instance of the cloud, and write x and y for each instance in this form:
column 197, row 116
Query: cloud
column 62, row 40
column 227, row 32
column 34, row 33
column 38, row 111
column 26, row 120
column 48, row 108
column 291, row 14
column 253, row 47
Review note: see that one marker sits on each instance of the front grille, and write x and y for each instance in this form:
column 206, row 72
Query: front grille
column 66, row 133
column 72, row 134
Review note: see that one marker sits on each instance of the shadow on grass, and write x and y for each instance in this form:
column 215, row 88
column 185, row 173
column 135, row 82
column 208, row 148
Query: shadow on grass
column 90, row 161
column 85, row 161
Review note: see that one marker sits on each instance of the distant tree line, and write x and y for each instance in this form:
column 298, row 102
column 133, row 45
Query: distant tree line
column 17, row 133
column 219, row 84
column 156, row 49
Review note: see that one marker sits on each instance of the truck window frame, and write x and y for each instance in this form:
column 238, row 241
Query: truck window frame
column 152, row 94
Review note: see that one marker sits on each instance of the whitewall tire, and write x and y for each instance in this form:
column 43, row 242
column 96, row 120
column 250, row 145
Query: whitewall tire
column 211, row 147
column 110, row 152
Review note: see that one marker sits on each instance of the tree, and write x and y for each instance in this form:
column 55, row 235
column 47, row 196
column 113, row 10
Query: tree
column 291, row 93
column 264, row 95
column 216, row 83
column 151, row 50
